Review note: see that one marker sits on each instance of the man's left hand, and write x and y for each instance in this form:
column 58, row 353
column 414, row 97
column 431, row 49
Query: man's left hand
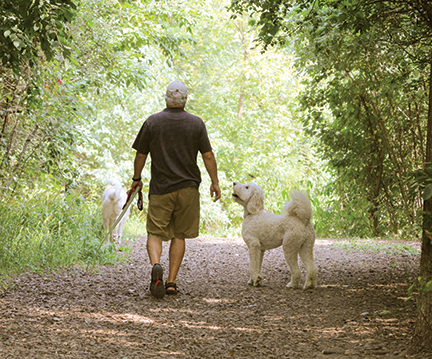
column 215, row 190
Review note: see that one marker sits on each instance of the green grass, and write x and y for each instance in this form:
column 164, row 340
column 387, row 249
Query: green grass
column 46, row 231
column 375, row 246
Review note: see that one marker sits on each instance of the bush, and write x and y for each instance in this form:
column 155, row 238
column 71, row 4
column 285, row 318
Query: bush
column 51, row 230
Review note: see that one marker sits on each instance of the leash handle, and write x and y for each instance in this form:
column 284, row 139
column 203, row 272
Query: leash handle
column 140, row 201
column 131, row 192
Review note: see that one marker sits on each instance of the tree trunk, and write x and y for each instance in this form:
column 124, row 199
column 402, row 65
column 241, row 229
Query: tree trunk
column 423, row 327
column 21, row 157
column 246, row 48
column 9, row 145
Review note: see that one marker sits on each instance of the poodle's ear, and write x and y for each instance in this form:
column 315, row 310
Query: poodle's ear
column 255, row 203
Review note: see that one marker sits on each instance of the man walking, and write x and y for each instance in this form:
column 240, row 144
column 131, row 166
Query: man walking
column 173, row 138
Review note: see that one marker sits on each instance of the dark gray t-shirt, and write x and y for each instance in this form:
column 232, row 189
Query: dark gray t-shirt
column 173, row 138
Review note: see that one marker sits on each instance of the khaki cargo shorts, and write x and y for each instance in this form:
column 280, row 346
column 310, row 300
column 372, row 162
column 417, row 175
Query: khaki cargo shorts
column 174, row 215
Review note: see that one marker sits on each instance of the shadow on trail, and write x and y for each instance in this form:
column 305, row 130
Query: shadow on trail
column 357, row 311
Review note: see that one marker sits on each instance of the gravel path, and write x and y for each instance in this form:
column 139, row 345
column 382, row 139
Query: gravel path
column 357, row 311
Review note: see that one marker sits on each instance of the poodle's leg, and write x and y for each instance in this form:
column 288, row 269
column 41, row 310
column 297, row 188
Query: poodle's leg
column 291, row 250
column 106, row 226
column 256, row 256
column 120, row 231
column 114, row 234
column 261, row 260
column 307, row 257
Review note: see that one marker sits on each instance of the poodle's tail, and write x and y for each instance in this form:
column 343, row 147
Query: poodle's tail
column 299, row 206
column 118, row 188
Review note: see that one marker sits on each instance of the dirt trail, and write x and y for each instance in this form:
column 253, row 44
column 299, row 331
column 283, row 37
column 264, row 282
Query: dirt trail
column 357, row 311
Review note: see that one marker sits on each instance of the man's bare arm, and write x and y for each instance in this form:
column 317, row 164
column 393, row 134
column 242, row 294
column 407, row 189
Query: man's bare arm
column 211, row 167
column 139, row 163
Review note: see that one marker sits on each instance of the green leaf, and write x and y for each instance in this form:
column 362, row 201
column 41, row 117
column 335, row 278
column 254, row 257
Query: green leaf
column 427, row 193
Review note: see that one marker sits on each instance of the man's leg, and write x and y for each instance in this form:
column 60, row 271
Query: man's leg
column 176, row 254
column 154, row 250
column 185, row 220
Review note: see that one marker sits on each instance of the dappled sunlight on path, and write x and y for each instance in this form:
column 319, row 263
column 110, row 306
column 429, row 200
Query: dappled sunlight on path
column 357, row 311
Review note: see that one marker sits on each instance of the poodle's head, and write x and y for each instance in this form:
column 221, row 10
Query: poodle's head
column 250, row 196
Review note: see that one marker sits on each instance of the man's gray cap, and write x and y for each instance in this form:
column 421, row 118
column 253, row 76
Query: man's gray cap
column 176, row 89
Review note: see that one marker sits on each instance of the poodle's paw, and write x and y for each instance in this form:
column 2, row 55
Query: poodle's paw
column 309, row 285
column 255, row 282
column 292, row 285
column 116, row 241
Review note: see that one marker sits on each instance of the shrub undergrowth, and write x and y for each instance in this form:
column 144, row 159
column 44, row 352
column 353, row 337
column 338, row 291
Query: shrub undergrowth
column 46, row 231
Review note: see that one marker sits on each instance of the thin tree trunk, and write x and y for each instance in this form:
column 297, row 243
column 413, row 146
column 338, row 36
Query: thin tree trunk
column 9, row 145
column 400, row 170
column 423, row 327
column 395, row 160
column 241, row 100
column 246, row 48
column 341, row 197
column 19, row 162
column 10, row 89
column 34, row 150
column 6, row 118
column 420, row 132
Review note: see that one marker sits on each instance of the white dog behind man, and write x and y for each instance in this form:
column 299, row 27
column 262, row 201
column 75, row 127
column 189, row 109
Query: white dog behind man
column 263, row 230
column 113, row 199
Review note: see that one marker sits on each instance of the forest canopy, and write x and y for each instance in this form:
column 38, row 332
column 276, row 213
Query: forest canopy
column 293, row 96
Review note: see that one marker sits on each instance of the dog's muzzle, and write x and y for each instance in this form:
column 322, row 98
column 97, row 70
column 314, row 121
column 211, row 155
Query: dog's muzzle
column 234, row 194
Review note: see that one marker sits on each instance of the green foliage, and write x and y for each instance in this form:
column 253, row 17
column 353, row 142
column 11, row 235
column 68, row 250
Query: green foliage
column 420, row 182
column 246, row 98
column 420, row 286
column 361, row 102
column 370, row 119
column 49, row 230
column 57, row 124
column 28, row 27
column 405, row 22
column 116, row 43
column 336, row 112
column 49, row 115
column 37, row 132
column 267, row 16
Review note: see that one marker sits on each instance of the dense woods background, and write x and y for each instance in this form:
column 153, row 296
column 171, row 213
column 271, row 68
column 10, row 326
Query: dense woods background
column 331, row 97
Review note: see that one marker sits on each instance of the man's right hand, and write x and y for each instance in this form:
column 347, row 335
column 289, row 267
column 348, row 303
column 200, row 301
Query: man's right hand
column 135, row 184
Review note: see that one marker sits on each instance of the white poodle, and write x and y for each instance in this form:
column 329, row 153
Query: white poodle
column 113, row 199
column 263, row 230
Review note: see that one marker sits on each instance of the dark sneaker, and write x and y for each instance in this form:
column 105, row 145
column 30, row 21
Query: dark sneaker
column 157, row 288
